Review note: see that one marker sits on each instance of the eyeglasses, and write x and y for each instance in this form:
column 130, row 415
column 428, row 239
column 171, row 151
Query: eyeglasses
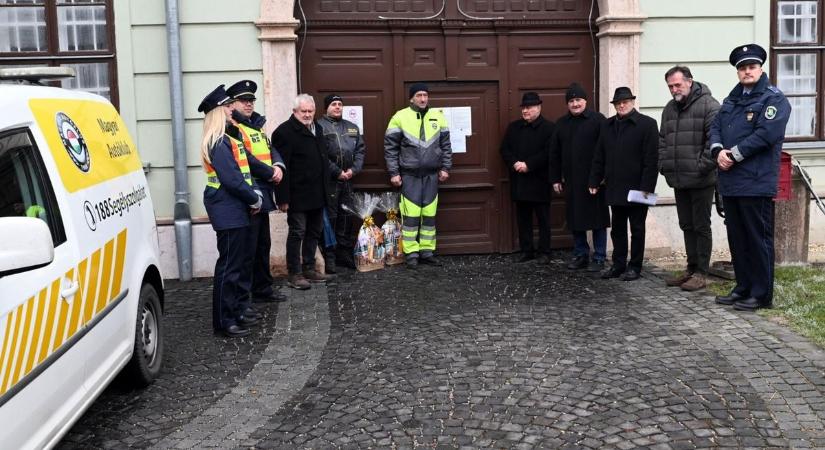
column 245, row 100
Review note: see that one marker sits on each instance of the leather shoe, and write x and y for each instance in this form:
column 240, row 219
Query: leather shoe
column 595, row 266
column 527, row 257
column 611, row 272
column 579, row 262
column 234, row 331
column 431, row 260
column 252, row 314
column 269, row 298
column 412, row 263
column 630, row 275
column 728, row 299
column 246, row 321
column 747, row 304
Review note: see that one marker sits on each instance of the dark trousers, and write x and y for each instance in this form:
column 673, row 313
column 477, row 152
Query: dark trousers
column 230, row 286
column 749, row 221
column 302, row 239
column 341, row 222
column 524, row 218
column 693, row 207
column 582, row 248
column 259, row 264
column 636, row 215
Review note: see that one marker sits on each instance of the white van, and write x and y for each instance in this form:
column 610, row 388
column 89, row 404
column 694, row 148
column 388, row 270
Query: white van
column 81, row 296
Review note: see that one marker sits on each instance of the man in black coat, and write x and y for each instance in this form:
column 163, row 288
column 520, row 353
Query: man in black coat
column 302, row 193
column 525, row 151
column 626, row 159
column 571, row 157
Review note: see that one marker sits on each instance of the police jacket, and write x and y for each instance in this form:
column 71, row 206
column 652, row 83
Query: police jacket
column 753, row 127
column 255, row 124
column 345, row 145
column 528, row 142
column 229, row 205
column 626, row 157
column 684, row 149
column 417, row 142
column 304, row 186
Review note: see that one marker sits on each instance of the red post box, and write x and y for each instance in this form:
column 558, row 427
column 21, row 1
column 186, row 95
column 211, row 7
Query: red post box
column 783, row 191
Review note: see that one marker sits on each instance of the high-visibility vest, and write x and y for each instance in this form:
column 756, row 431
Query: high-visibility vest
column 257, row 143
column 239, row 153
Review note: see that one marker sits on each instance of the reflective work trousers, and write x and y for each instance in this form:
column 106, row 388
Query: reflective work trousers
column 419, row 202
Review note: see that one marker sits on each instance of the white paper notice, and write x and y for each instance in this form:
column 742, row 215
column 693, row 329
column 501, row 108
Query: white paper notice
column 640, row 197
column 460, row 122
column 355, row 114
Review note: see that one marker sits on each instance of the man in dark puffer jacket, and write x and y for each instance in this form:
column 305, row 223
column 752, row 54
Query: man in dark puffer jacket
column 689, row 168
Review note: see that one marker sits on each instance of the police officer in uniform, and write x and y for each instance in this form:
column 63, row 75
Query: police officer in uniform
column 230, row 198
column 345, row 149
column 419, row 156
column 746, row 140
column 251, row 125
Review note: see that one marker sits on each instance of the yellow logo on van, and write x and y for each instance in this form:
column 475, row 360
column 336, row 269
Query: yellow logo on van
column 88, row 140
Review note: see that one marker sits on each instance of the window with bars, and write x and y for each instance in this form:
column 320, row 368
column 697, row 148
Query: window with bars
column 74, row 33
column 797, row 49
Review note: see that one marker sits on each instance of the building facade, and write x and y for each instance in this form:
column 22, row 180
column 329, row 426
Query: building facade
column 478, row 57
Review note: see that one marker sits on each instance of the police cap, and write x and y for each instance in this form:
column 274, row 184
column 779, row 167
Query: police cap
column 214, row 99
column 748, row 54
column 243, row 90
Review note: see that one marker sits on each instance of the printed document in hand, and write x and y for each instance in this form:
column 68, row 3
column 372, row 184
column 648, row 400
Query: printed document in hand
column 639, row 197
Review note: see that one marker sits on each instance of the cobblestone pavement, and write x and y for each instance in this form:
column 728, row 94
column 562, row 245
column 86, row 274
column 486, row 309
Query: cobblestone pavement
column 481, row 353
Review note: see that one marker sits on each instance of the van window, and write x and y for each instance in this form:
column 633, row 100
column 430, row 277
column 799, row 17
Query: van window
column 26, row 189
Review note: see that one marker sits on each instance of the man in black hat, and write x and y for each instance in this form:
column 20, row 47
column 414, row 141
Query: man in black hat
column 626, row 159
column 251, row 126
column 345, row 150
column 571, row 157
column 525, row 152
column 746, row 140
column 419, row 156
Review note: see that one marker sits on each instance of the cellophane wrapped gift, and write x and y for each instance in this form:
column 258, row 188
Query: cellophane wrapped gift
column 369, row 248
column 391, row 228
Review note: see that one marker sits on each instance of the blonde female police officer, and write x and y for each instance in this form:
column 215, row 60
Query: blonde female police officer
column 230, row 198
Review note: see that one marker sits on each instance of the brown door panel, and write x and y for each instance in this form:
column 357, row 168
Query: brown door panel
column 464, row 223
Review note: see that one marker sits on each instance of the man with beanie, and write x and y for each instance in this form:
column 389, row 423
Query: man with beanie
column 746, row 141
column 345, row 150
column 418, row 155
column 626, row 159
column 688, row 167
column 571, row 157
column 525, row 152
column 251, row 125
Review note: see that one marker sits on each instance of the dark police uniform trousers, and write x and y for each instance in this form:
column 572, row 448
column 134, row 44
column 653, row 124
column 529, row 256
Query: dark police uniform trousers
column 749, row 222
column 232, row 278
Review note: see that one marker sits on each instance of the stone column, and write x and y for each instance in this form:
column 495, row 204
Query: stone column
column 620, row 27
column 278, row 38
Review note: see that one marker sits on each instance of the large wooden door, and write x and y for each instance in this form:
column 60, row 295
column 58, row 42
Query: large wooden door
column 483, row 54
column 467, row 220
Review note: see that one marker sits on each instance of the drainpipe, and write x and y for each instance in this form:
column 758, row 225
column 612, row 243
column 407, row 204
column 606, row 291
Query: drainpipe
column 183, row 218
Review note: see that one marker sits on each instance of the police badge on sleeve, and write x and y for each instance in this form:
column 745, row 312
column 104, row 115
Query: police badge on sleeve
column 770, row 112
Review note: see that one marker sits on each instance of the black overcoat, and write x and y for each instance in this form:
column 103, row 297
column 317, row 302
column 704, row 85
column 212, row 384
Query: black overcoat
column 626, row 157
column 304, row 184
column 571, row 158
column 528, row 142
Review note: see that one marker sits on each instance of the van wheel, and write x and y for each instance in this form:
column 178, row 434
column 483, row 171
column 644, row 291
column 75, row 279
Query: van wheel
column 147, row 356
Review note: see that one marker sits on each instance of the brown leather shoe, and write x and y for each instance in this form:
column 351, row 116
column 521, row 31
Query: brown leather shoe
column 297, row 281
column 694, row 283
column 678, row 279
column 313, row 276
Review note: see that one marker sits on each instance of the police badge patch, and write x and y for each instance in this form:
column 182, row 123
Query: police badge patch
column 770, row 112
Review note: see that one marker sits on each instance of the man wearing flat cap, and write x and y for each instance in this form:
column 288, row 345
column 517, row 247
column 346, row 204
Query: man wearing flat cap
column 251, row 125
column 526, row 154
column 571, row 157
column 419, row 156
column 626, row 159
column 746, row 141
column 345, row 150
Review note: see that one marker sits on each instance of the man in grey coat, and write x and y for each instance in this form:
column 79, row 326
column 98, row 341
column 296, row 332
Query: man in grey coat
column 689, row 168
